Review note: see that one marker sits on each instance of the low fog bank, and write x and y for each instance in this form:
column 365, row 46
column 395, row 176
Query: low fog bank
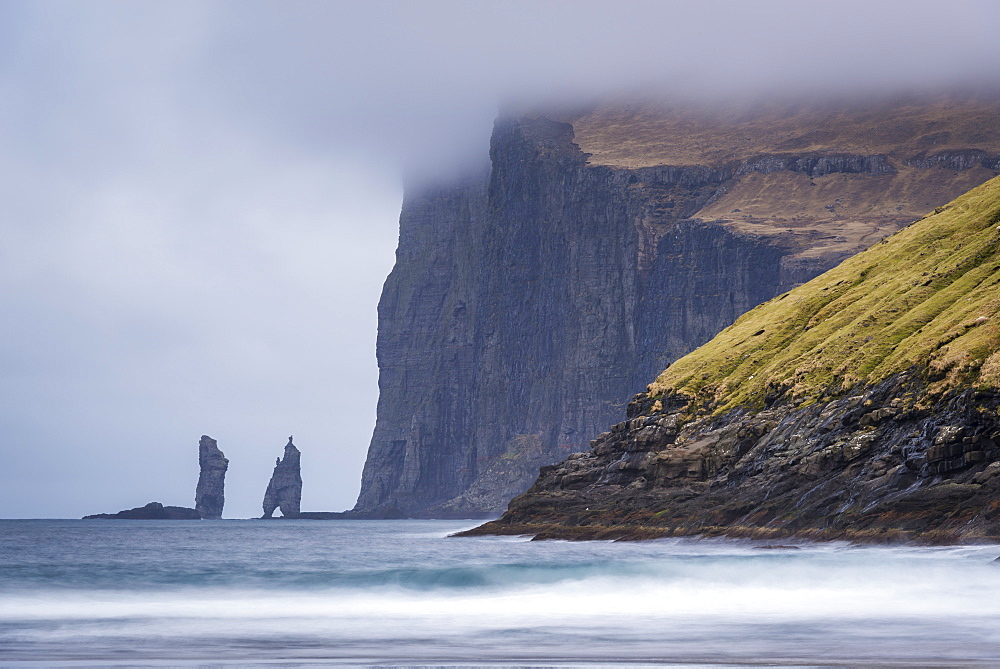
column 201, row 199
column 419, row 83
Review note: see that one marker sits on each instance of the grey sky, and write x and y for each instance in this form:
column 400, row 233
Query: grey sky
column 200, row 200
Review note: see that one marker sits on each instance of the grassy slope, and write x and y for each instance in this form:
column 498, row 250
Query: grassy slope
column 929, row 296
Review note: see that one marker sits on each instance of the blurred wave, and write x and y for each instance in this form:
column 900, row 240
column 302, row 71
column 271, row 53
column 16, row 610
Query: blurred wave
column 403, row 591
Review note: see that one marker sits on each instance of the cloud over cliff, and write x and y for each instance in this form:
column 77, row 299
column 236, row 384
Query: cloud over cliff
column 418, row 81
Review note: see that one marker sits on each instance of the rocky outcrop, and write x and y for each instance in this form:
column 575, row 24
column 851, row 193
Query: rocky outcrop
column 816, row 166
column 864, row 405
column 152, row 511
column 956, row 160
column 209, row 497
column 284, row 491
column 529, row 302
column 872, row 465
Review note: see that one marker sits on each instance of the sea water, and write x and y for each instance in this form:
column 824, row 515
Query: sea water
column 241, row 592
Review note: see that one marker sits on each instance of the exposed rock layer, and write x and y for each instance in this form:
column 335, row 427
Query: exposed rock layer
column 284, row 490
column 209, row 496
column 528, row 303
column 862, row 405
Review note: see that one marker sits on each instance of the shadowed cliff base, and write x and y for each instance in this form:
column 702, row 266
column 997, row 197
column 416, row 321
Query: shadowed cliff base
column 529, row 303
column 862, row 406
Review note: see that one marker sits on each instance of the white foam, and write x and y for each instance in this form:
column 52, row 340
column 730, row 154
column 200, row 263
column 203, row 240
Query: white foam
column 873, row 601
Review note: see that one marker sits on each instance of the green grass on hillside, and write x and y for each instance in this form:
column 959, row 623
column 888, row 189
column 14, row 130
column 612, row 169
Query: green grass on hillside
column 928, row 296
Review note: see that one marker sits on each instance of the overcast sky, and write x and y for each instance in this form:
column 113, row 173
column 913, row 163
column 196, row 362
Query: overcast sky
column 200, row 200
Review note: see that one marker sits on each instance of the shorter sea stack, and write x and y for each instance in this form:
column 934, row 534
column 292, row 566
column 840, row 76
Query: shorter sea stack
column 285, row 488
column 152, row 511
column 209, row 496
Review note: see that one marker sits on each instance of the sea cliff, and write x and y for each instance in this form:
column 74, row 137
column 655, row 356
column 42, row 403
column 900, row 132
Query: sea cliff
column 862, row 405
column 530, row 301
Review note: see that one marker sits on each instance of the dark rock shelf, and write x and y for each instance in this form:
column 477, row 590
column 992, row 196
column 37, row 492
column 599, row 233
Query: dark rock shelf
column 152, row 511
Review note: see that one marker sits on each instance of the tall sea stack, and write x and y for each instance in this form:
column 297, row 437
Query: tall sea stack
column 209, row 497
column 285, row 488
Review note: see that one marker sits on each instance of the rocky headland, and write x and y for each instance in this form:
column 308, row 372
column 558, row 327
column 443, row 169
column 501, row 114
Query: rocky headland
column 862, row 405
column 529, row 302
column 284, row 490
column 209, row 497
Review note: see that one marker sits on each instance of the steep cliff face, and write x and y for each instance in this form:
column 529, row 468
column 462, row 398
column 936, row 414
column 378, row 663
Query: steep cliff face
column 209, row 497
column 427, row 363
column 528, row 303
column 861, row 405
column 284, row 490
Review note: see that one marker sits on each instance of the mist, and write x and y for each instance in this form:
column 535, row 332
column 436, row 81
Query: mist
column 201, row 199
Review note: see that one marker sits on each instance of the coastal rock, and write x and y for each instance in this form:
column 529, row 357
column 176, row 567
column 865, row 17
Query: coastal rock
column 209, row 497
column 530, row 301
column 284, row 491
column 152, row 511
column 786, row 471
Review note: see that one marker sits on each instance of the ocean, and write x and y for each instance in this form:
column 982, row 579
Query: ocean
column 404, row 593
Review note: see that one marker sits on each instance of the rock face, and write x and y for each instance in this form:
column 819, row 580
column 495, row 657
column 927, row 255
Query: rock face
column 209, row 496
column 528, row 303
column 868, row 466
column 152, row 511
column 862, row 405
column 284, row 491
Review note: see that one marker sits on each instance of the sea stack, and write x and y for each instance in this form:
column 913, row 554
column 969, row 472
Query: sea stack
column 285, row 489
column 209, row 497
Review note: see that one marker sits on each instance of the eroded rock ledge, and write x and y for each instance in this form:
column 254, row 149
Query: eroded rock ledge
column 878, row 464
